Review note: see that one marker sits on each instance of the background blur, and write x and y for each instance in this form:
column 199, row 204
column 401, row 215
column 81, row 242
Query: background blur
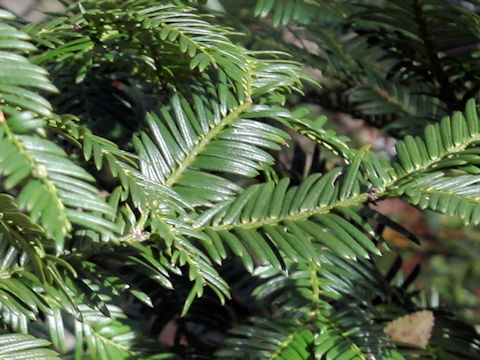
column 31, row 10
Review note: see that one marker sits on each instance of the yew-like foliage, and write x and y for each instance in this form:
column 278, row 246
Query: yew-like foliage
column 143, row 214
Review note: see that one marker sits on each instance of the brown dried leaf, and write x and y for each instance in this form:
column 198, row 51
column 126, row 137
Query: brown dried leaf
column 415, row 328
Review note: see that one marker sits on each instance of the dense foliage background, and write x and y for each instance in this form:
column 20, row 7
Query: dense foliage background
column 177, row 184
